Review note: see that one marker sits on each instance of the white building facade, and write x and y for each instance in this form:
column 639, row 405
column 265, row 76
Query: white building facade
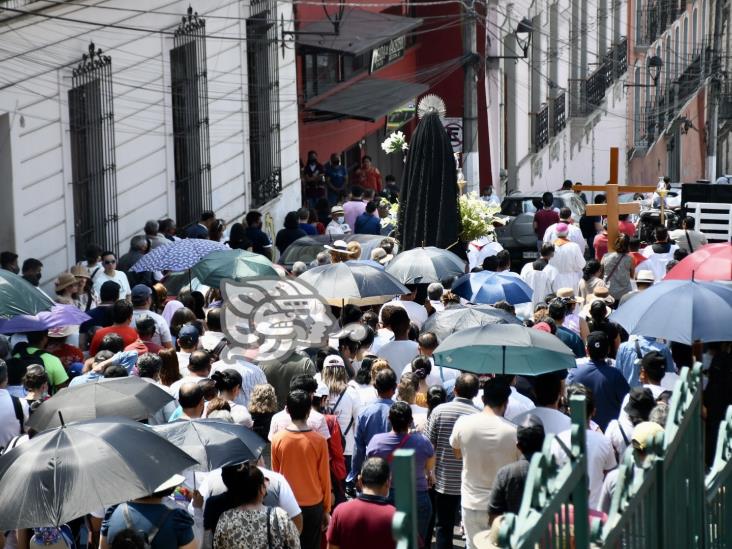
column 558, row 104
column 168, row 114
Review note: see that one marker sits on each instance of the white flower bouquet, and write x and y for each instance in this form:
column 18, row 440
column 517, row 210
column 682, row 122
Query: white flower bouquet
column 396, row 142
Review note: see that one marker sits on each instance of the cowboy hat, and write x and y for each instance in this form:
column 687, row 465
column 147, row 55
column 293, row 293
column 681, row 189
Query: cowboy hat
column 339, row 246
column 80, row 271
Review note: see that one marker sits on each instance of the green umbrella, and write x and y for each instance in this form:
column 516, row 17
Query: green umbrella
column 231, row 264
column 504, row 349
column 20, row 297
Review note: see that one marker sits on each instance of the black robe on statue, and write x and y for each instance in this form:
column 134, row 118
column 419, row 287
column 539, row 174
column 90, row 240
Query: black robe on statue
column 428, row 202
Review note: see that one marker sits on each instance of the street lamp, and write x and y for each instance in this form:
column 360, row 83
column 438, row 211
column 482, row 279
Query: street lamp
column 653, row 66
column 523, row 34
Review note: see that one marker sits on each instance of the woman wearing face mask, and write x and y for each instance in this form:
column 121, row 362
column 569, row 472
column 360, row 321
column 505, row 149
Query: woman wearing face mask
column 338, row 223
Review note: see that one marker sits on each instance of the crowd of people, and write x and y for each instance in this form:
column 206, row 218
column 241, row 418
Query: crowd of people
column 333, row 417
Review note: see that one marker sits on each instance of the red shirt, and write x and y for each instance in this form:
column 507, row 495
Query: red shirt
column 600, row 245
column 143, row 347
column 626, row 227
column 638, row 258
column 128, row 335
column 544, row 219
column 368, row 179
column 362, row 524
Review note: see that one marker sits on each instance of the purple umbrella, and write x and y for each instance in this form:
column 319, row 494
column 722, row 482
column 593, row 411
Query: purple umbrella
column 59, row 315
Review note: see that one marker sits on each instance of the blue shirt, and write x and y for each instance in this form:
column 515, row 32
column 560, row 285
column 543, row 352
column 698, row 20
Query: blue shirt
column 383, row 445
column 337, row 174
column 89, row 377
column 625, row 361
column 367, row 223
column 258, row 238
column 608, row 388
column 308, row 228
column 373, row 420
column 571, row 340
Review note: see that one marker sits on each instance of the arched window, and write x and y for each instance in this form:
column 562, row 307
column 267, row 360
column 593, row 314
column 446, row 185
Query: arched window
column 637, row 114
column 702, row 38
column 685, row 43
column 639, row 32
column 667, row 62
column 694, row 30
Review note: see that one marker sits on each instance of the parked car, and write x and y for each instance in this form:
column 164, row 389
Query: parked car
column 518, row 209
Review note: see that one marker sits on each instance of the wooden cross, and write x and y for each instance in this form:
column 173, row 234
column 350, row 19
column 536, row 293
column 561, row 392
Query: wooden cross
column 612, row 208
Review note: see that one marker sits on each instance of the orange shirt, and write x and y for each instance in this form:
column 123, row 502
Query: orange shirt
column 302, row 457
column 369, row 179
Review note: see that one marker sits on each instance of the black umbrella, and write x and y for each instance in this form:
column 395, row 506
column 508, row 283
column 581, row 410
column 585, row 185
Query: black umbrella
column 454, row 319
column 353, row 283
column 67, row 472
column 429, row 213
column 213, row 443
column 425, row 265
column 129, row 397
column 307, row 248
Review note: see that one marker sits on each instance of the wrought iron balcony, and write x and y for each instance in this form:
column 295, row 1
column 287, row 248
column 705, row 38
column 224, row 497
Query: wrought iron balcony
column 541, row 128
column 558, row 113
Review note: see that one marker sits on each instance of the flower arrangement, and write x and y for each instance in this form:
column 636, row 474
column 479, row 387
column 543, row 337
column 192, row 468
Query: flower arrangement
column 477, row 217
column 396, row 142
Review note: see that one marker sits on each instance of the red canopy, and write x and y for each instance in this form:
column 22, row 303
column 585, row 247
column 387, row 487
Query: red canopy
column 710, row 262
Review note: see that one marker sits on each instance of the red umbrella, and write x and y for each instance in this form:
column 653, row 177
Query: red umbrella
column 710, row 262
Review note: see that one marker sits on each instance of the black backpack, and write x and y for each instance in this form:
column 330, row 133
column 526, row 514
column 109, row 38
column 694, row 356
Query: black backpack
column 17, row 366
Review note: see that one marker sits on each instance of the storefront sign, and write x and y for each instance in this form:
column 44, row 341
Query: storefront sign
column 387, row 53
column 454, row 128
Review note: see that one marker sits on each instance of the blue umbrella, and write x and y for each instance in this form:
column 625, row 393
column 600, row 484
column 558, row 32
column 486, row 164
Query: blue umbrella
column 504, row 349
column 679, row 310
column 178, row 256
column 489, row 287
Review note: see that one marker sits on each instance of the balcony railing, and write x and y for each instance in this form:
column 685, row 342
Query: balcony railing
column 558, row 113
column 541, row 128
column 586, row 95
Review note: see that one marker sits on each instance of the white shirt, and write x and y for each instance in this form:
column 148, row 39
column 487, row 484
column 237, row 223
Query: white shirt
column 251, row 376
column 517, row 404
column 481, row 248
column 162, row 331
column 9, row 424
column 174, row 389
column 615, row 431
column 337, row 228
column 398, row 353
column 281, row 420
column 541, row 282
column 575, row 235
column 346, row 413
column 478, row 436
column 419, row 416
column 278, row 487
column 184, row 358
column 553, row 420
column 209, row 340
column 383, row 336
column 600, row 458
column 119, row 277
column 366, row 394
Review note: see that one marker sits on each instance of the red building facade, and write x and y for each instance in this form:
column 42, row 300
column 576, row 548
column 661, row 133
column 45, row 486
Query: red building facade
column 372, row 74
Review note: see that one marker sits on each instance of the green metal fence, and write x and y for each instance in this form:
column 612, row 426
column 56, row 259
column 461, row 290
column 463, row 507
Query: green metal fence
column 404, row 525
column 547, row 519
column 719, row 490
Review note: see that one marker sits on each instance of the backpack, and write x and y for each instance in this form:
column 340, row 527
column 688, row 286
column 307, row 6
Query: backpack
column 147, row 536
column 17, row 366
column 53, row 538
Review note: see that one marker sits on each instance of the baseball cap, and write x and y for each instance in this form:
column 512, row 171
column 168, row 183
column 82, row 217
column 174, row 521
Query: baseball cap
column 644, row 433
column 645, row 276
column 596, row 340
column 640, row 403
column 140, row 293
column 334, row 360
column 322, row 390
column 189, row 332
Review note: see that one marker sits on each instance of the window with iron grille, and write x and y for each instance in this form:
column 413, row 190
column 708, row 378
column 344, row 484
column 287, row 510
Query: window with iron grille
column 93, row 169
column 189, row 86
column 264, row 108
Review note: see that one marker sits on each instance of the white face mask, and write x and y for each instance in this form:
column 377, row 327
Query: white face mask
column 341, row 219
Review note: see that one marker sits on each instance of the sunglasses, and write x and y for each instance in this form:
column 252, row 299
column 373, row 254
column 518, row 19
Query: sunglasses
column 110, row 261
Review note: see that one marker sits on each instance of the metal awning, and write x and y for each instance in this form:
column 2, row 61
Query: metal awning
column 368, row 99
column 360, row 31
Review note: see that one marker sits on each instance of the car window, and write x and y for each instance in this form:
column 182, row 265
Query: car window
column 518, row 206
column 576, row 205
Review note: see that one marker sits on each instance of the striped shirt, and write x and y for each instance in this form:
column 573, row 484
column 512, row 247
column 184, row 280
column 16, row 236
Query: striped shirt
column 438, row 429
column 251, row 376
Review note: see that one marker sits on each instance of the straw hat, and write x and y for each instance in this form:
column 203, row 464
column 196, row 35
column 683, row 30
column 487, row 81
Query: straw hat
column 488, row 539
column 568, row 295
column 601, row 293
column 645, row 277
column 339, row 246
column 65, row 280
column 79, row 271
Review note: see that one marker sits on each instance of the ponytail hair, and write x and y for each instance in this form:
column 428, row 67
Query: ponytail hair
column 227, row 380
